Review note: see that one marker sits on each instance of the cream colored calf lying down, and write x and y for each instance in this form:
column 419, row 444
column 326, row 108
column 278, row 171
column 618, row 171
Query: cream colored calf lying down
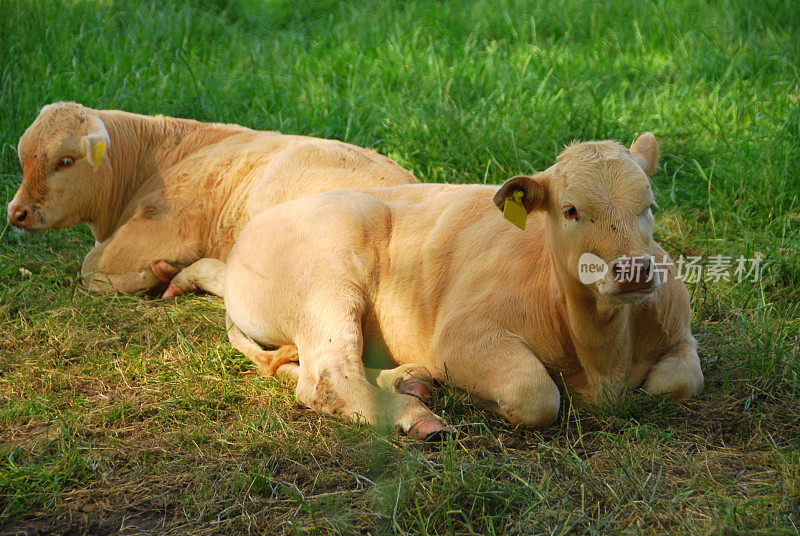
column 450, row 288
column 160, row 192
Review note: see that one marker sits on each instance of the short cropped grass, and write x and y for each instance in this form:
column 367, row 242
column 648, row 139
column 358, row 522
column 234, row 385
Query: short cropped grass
column 135, row 416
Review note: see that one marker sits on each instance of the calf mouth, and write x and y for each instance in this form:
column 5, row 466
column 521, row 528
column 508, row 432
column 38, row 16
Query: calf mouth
column 636, row 294
column 28, row 229
column 628, row 291
column 641, row 288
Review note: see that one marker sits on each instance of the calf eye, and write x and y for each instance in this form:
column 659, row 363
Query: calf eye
column 65, row 162
column 570, row 212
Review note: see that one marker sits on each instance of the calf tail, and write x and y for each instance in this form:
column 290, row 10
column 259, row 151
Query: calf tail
column 268, row 361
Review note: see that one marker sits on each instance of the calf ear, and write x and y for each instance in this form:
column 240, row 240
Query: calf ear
column 93, row 146
column 95, row 142
column 534, row 192
column 645, row 151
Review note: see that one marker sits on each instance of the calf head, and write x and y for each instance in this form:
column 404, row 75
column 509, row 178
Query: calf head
column 596, row 200
column 61, row 155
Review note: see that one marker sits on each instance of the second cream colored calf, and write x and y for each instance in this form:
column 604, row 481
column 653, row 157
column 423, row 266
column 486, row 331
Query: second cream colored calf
column 438, row 278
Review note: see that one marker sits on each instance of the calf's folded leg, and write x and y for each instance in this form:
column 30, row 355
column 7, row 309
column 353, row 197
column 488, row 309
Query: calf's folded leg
column 206, row 274
column 414, row 380
column 125, row 262
column 677, row 372
column 333, row 379
column 100, row 278
column 505, row 375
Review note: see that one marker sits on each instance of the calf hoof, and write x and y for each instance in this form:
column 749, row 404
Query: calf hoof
column 172, row 291
column 417, row 388
column 164, row 271
column 430, row 431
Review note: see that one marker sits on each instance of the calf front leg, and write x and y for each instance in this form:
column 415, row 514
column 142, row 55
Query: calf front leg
column 504, row 374
column 677, row 372
column 127, row 262
column 101, row 282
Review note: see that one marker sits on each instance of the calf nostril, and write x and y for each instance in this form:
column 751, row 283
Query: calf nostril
column 635, row 269
column 21, row 215
column 646, row 266
column 641, row 267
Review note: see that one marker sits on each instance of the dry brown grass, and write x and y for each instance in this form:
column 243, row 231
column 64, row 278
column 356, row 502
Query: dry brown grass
column 134, row 416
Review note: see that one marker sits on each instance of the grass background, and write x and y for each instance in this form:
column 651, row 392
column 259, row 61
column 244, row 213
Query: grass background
column 133, row 416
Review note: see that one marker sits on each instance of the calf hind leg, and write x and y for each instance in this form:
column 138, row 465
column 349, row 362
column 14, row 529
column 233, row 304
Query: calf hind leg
column 333, row 379
column 206, row 274
column 413, row 380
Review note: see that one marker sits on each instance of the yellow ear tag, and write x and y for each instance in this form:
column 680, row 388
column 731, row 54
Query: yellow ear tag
column 514, row 211
column 97, row 154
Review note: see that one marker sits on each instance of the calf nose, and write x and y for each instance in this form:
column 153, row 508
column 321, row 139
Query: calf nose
column 644, row 268
column 17, row 215
column 636, row 270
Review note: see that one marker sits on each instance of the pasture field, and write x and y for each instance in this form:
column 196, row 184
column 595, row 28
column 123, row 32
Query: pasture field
column 135, row 416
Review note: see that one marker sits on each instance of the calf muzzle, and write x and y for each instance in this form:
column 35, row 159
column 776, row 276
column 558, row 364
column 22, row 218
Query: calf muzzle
column 634, row 274
column 18, row 216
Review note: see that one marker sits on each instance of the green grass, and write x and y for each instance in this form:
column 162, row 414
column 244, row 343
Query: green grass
column 135, row 416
